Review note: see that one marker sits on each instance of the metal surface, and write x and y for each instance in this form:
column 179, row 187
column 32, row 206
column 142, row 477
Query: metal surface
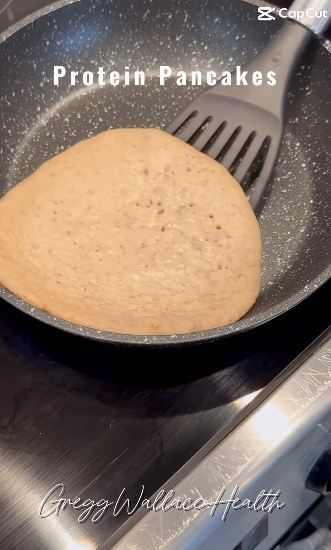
column 273, row 449
column 40, row 120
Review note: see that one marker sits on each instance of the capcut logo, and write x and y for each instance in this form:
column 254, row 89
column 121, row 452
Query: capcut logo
column 265, row 14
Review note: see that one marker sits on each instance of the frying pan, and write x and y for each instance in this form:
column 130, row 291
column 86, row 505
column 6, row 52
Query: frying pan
column 39, row 120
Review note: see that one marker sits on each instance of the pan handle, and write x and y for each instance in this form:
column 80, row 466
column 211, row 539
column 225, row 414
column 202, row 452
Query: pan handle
column 316, row 14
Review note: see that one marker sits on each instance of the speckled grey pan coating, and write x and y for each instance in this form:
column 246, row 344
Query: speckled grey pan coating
column 39, row 120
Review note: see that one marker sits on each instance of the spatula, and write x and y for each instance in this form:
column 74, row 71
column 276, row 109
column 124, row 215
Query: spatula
column 242, row 126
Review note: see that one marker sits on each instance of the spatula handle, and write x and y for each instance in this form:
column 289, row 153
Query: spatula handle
column 280, row 56
column 316, row 14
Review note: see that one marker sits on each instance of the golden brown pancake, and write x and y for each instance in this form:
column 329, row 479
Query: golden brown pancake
column 132, row 231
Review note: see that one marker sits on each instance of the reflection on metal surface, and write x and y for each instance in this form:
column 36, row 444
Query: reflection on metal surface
column 270, row 422
column 49, row 529
column 69, row 542
column 246, row 399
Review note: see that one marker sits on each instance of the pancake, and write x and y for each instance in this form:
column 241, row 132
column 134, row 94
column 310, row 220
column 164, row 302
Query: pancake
column 132, row 231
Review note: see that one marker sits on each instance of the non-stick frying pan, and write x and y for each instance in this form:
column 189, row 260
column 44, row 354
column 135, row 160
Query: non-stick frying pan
column 39, row 120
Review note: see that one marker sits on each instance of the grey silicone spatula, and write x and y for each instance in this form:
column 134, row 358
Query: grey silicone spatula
column 242, row 126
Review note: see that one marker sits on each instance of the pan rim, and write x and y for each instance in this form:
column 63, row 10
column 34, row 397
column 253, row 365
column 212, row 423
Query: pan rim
column 164, row 340
column 154, row 340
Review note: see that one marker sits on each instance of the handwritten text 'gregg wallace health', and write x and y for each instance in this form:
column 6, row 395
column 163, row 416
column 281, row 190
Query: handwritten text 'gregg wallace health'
column 54, row 502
